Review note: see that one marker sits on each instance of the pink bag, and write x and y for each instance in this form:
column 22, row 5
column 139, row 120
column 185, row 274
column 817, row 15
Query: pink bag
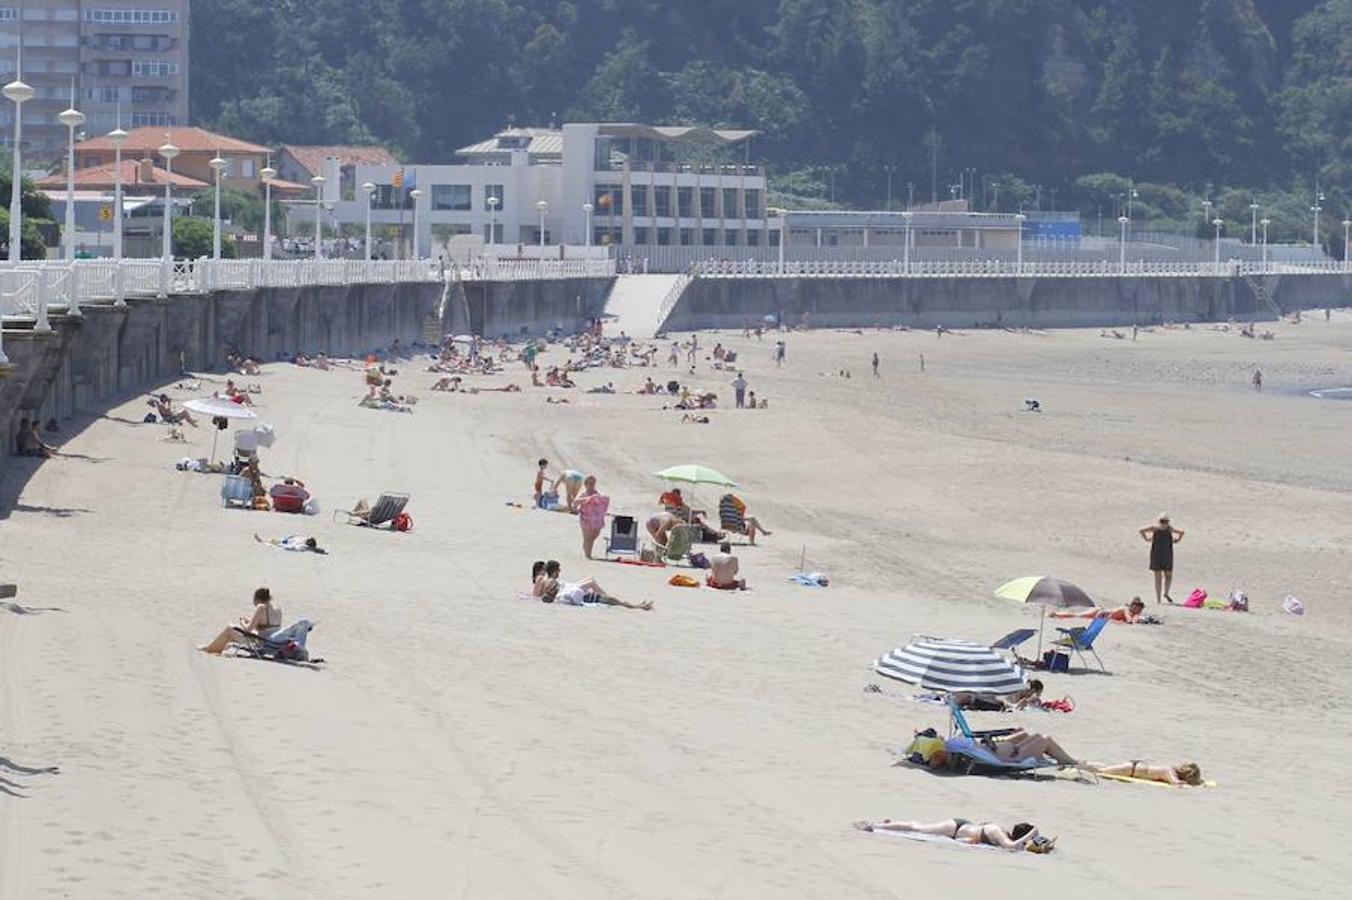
column 1195, row 599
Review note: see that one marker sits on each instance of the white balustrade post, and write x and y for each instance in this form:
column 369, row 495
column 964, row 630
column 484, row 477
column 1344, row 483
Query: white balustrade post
column 73, row 283
column 40, row 298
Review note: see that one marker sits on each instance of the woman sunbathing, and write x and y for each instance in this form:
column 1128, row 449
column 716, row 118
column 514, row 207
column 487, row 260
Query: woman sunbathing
column 1188, row 773
column 1029, row 696
column 1020, row 837
column 1021, row 745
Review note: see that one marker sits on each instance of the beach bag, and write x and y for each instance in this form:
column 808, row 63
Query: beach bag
column 149, row 419
column 1055, row 661
column 682, row 581
column 1239, row 601
column 402, row 522
column 311, row 507
column 927, row 749
column 699, row 560
column 1293, row 605
column 1195, row 599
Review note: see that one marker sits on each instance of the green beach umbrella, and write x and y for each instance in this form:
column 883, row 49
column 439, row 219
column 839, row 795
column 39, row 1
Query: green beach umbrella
column 694, row 473
column 1045, row 591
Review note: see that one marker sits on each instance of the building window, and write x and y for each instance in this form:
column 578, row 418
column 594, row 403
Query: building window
column 387, row 196
column 247, row 168
column 753, row 238
column 730, row 237
column 132, row 16
column 710, row 237
column 730, row 203
column 606, row 236
column 641, row 202
column 774, row 238
column 495, row 191
column 685, row 201
column 608, row 200
column 494, row 236
column 102, row 94
column 753, row 204
column 706, row 205
column 154, row 117
column 663, row 237
column 8, row 14
column 662, row 201
column 640, row 235
column 687, row 236
column 451, row 196
column 153, row 68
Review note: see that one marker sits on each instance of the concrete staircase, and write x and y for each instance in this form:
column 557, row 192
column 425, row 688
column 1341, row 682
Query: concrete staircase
column 636, row 303
column 1259, row 287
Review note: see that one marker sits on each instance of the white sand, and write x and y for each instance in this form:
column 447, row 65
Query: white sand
column 463, row 742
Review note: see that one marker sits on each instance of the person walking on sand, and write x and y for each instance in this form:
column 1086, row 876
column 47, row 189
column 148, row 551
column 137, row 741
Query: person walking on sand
column 922, row 362
column 1161, row 537
column 875, row 365
column 1258, row 380
column 739, row 390
column 780, row 350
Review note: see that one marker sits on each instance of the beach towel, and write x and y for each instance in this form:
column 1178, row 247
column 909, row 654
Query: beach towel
column 940, row 839
column 1130, row 780
column 679, row 580
column 648, row 563
column 810, row 579
column 709, row 580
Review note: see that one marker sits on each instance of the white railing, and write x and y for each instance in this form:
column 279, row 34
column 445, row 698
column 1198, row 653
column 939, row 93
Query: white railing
column 673, row 295
column 490, row 268
column 989, row 268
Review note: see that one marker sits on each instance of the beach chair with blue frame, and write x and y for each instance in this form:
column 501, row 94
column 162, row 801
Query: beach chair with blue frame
column 237, row 490
column 1012, row 640
column 969, row 754
column 1081, row 639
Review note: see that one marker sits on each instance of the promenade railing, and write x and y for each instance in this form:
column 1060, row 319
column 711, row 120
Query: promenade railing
column 490, row 268
column 994, row 268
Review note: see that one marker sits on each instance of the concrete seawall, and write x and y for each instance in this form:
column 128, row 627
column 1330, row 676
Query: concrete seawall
column 525, row 308
column 85, row 363
column 962, row 302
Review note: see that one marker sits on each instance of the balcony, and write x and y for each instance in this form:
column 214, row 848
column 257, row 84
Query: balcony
column 676, row 168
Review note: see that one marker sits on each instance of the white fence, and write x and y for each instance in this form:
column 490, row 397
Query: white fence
column 489, row 268
column 29, row 289
column 989, row 268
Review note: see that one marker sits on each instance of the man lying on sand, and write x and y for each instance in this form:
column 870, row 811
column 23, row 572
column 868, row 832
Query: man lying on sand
column 295, row 543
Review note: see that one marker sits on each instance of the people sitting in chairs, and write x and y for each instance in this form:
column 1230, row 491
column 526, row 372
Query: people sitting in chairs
column 723, row 570
column 1023, row 745
column 165, row 410
column 1188, row 773
column 266, row 619
column 1023, row 836
column 550, row 589
column 732, row 516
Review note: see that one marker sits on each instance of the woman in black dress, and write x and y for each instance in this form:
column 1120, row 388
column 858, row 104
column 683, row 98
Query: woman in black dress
column 1161, row 537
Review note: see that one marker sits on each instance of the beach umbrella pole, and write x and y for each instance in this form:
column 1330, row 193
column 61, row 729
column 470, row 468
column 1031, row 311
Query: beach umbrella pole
column 1041, row 622
column 215, row 436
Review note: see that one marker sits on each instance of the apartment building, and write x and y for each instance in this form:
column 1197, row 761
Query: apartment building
column 124, row 58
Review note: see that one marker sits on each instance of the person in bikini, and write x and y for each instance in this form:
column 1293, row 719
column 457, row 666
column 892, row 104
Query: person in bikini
column 1020, row 837
column 1188, row 773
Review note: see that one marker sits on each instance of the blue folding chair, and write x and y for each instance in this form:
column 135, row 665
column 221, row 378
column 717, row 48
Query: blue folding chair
column 960, row 724
column 968, row 756
column 237, row 490
column 1013, row 639
column 1082, row 639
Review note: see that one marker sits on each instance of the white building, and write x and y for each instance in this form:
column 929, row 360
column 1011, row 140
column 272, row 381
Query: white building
column 624, row 184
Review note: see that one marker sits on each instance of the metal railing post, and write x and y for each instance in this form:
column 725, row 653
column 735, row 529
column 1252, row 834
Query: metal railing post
column 73, row 286
column 40, row 298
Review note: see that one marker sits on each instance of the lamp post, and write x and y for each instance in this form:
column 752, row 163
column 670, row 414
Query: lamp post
column 1347, row 224
column 587, row 208
column 118, row 137
column 218, row 165
column 17, row 93
column 1253, row 222
column 543, row 207
column 1317, row 209
column 1218, row 222
column 1206, row 211
column 1018, row 241
column 318, row 182
column 889, row 170
column 370, row 190
column 168, row 151
column 493, row 219
column 72, row 118
column 268, row 173
column 414, row 195
column 778, row 213
column 1122, row 221
column 1265, row 223
column 906, row 242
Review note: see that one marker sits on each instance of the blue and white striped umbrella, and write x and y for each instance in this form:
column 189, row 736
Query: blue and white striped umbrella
column 938, row 664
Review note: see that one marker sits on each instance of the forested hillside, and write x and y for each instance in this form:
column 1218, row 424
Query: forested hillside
column 1186, row 97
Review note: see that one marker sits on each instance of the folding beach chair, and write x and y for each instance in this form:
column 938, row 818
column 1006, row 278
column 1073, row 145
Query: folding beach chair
column 380, row 515
column 284, row 645
column 623, row 538
column 680, row 538
column 237, row 490
column 1013, row 639
column 968, row 756
column 1082, row 639
column 960, row 724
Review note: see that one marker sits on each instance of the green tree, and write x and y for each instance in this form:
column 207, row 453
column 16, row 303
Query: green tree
column 37, row 214
column 193, row 239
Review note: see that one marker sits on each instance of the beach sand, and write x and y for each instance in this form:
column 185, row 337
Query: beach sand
column 464, row 742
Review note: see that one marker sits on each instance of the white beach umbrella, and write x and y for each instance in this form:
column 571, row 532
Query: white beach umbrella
column 218, row 408
column 939, row 664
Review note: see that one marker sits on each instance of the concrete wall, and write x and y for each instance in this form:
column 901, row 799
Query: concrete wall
column 85, row 364
column 963, row 302
column 525, row 308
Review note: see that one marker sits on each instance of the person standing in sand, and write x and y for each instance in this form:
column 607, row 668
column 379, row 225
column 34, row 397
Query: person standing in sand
column 875, row 365
column 591, row 514
column 540, row 476
column 1161, row 537
column 1258, row 380
column 739, row 390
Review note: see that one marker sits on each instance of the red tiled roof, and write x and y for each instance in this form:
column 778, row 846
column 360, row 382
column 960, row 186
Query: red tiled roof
column 149, row 138
column 289, row 187
column 105, row 177
column 311, row 156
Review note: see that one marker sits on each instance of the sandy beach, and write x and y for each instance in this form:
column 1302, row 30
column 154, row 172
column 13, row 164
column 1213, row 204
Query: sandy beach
column 461, row 741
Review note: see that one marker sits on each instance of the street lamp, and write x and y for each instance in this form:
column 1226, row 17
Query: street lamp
column 318, row 182
column 543, row 207
column 218, row 165
column 587, row 208
column 168, row 151
column 492, row 219
column 1265, row 223
column 1317, row 209
column 1206, row 211
column 1253, row 222
column 1122, row 245
column 17, row 93
column 906, row 241
column 268, row 173
column 1218, row 222
column 783, row 232
column 370, row 190
column 72, row 118
column 414, row 195
column 1347, row 224
column 1018, row 241
column 118, row 137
